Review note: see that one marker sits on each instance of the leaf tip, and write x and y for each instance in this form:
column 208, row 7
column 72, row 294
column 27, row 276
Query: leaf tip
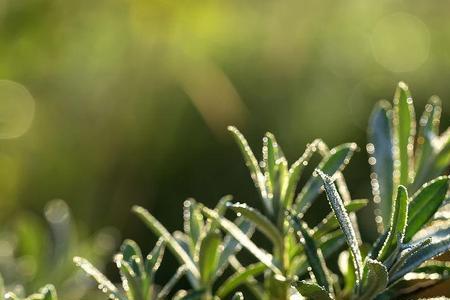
column 403, row 86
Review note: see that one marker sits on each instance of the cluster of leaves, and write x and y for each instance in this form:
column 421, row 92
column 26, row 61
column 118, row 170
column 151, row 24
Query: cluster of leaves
column 408, row 188
column 411, row 230
column 201, row 250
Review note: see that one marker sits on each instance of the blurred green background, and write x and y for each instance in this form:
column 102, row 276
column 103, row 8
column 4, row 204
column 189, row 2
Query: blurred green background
column 105, row 104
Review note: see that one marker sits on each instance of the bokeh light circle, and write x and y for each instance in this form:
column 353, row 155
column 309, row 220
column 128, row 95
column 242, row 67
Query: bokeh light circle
column 400, row 42
column 17, row 108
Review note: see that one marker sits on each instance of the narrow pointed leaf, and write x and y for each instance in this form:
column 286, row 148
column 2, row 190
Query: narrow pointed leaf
column 171, row 283
column 130, row 280
column 337, row 159
column 271, row 154
column 296, row 170
column 379, row 242
column 428, row 132
column 314, row 255
column 380, row 150
column 347, row 269
column 431, row 250
column 232, row 229
column 48, row 292
column 398, row 223
column 330, row 222
column 329, row 244
column 172, row 244
column 312, row 291
column 344, row 221
column 104, row 284
column 279, row 189
column 251, row 283
column 261, row 222
column 375, row 279
column 130, row 251
column 193, row 221
column 231, row 245
column 252, row 164
column 424, row 205
column 154, row 258
column 434, row 266
column 404, row 132
column 238, row 278
column 441, row 160
column 209, row 256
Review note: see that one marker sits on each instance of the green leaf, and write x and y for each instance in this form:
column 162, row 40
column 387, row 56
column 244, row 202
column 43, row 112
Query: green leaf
column 279, row 189
column 330, row 222
column 231, row 245
column 441, row 161
column 208, row 257
column 261, row 222
column 232, row 229
column 404, row 133
column 375, row 279
column 328, row 245
column 314, row 255
column 424, row 205
column 238, row 278
column 220, row 208
column 253, row 166
column 104, row 284
column 434, row 266
column 332, row 242
column 344, row 221
column 382, row 158
column 398, row 224
column 337, row 159
column 429, row 251
column 251, row 283
column 376, row 247
column 154, row 258
column 346, row 268
column 129, row 248
column 312, row 291
column 193, row 222
column 130, row 280
column 271, row 154
column 296, row 170
column 132, row 253
column 171, row 283
column 428, row 133
column 48, row 292
column 172, row 244
column 407, row 251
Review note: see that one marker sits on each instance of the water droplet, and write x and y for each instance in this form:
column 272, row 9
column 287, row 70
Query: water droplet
column 370, row 148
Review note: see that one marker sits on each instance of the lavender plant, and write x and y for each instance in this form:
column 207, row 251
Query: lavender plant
column 414, row 227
